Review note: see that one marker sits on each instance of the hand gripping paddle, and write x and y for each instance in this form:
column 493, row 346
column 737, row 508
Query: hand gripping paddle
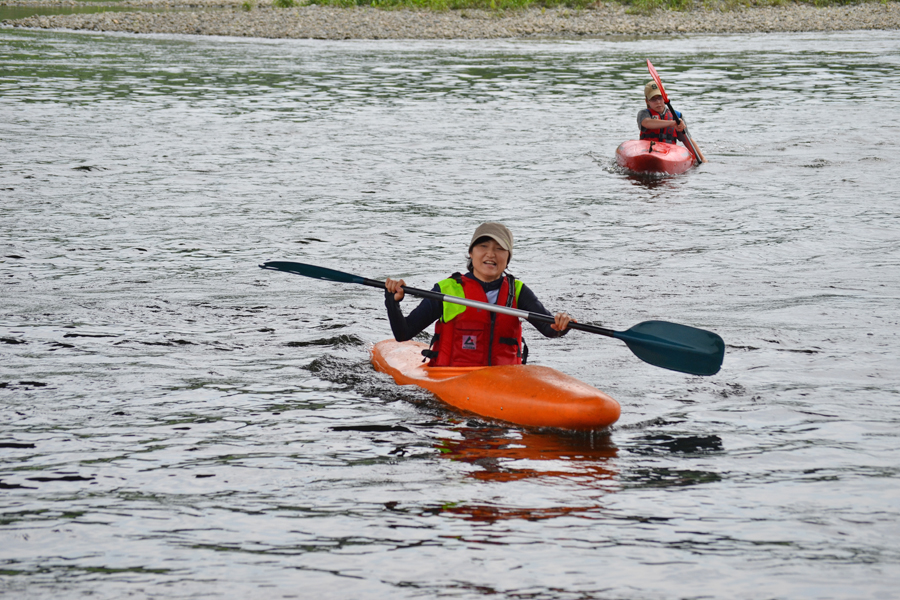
column 660, row 343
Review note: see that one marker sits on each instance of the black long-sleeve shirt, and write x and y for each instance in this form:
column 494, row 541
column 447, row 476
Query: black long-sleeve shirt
column 428, row 311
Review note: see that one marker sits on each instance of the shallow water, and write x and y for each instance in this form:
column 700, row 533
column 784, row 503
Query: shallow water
column 182, row 424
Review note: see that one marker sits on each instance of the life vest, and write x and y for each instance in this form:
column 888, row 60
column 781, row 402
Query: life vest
column 666, row 134
column 472, row 337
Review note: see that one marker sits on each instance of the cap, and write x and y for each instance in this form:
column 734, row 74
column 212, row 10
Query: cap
column 497, row 232
column 651, row 89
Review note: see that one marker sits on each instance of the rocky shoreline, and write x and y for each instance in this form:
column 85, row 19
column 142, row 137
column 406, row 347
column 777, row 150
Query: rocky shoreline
column 263, row 20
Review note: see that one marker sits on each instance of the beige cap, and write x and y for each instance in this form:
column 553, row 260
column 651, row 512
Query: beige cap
column 497, row 232
column 651, row 89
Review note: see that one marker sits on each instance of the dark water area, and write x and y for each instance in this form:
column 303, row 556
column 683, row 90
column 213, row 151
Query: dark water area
column 181, row 424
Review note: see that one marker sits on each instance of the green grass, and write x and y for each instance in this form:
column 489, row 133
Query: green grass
column 633, row 6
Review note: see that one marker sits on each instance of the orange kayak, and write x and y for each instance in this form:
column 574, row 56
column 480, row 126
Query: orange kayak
column 527, row 395
column 639, row 156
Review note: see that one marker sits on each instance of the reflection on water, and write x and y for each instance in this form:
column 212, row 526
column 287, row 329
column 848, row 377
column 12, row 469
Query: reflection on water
column 178, row 423
column 652, row 181
column 500, row 456
column 488, row 513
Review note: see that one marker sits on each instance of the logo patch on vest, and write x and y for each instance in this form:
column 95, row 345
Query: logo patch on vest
column 469, row 342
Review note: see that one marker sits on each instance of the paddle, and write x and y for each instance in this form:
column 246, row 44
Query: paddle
column 693, row 147
column 659, row 343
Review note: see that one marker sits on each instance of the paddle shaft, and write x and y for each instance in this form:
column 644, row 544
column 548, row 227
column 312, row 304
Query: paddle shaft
column 659, row 343
column 506, row 310
column 687, row 136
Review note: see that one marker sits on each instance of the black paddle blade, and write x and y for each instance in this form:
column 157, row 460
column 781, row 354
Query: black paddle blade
column 312, row 271
column 675, row 347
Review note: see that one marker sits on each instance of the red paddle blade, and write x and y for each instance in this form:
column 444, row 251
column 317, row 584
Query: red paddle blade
column 658, row 81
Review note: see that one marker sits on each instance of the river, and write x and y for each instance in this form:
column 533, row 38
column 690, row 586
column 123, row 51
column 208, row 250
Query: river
column 181, row 424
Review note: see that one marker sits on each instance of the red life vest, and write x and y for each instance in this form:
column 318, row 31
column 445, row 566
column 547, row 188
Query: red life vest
column 666, row 134
column 475, row 337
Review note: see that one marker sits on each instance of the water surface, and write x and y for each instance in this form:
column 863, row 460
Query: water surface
column 181, row 424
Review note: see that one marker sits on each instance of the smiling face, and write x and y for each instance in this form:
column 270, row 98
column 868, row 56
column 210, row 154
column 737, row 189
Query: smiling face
column 489, row 260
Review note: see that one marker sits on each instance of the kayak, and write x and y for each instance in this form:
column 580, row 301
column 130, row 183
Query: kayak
column 646, row 156
column 529, row 395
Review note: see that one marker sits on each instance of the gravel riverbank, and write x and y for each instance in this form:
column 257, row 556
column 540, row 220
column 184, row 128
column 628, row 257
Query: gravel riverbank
column 224, row 17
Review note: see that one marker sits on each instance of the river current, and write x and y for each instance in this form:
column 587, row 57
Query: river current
column 181, row 424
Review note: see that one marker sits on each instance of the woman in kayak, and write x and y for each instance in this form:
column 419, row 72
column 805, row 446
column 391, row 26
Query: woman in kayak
column 656, row 121
column 465, row 336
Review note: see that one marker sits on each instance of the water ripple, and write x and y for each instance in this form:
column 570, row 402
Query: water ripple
column 180, row 423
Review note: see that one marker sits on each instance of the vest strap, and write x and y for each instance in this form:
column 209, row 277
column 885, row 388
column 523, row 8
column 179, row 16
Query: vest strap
column 429, row 353
column 511, row 293
column 520, row 352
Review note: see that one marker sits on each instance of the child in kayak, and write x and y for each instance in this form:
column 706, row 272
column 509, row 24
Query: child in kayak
column 467, row 336
column 656, row 121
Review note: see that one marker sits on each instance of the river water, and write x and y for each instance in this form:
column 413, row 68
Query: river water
column 181, row 424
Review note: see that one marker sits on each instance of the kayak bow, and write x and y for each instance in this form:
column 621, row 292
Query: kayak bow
column 647, row 156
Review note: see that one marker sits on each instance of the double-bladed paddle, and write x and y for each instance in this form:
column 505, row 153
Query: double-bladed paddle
column 660, row 343
column 693, row 147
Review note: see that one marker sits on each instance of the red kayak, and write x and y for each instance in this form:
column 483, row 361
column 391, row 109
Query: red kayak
column 646, row 156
